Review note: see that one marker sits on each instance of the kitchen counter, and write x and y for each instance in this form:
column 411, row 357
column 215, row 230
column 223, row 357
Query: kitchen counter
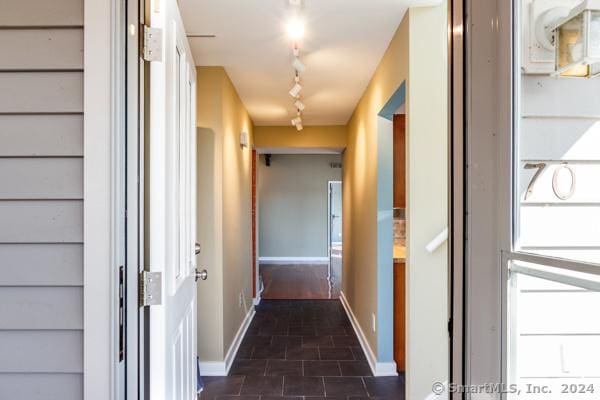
column 399, row 253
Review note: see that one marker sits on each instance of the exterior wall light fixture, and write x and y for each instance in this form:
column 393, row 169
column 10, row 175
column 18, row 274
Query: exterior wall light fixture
column 577, row 41
column 561, row 37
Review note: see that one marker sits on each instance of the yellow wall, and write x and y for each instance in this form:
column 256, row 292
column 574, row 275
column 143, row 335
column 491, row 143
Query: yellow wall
column 311, row 137
column 237, row 212
column 360, row 184
column 224, row 212
column 210, row 212
column 418, row 55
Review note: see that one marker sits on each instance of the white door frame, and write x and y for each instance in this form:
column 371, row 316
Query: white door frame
column 135, row 362
column 102, row 124
column 103, row 179
column 487, row 184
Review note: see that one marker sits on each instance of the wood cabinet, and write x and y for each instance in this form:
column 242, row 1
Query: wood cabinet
column 399, row 161
column 400, row 267
column 400, row 315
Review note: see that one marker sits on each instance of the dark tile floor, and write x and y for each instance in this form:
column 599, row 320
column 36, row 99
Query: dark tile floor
column 302, row 350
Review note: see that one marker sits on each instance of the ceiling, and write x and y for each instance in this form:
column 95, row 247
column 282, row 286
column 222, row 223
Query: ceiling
column 343, row 44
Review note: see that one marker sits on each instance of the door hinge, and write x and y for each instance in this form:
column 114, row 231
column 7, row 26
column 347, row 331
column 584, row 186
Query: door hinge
column 152, row 49
column 150, row 291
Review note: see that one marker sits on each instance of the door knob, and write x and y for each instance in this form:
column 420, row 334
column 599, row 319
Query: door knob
column 201, row 275
column 197, row 248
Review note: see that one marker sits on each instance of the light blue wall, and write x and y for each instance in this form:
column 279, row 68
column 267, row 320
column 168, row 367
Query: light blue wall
column 385, row 241
column 394, row 103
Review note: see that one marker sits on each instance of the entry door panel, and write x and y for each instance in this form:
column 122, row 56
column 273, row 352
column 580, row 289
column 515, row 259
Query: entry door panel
column 171, row 200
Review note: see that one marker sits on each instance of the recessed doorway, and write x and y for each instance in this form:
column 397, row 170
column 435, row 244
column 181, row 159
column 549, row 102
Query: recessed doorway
column 299, row 225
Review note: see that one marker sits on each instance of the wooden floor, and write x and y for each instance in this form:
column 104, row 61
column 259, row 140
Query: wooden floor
column 300, row 282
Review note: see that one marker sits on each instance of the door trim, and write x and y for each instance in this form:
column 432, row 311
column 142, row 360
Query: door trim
column 456, row 195
column 487, row 201
column 134, row 161
column 103, row 210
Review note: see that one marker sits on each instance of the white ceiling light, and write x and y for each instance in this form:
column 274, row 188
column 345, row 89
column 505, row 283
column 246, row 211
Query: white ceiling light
column 299, row 126
column 295, row 28
column 295, row 91
column 297, row 121
column 298, row 65
column 299, row 105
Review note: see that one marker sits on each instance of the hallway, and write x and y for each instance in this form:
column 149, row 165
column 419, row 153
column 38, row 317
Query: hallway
column 301, row 349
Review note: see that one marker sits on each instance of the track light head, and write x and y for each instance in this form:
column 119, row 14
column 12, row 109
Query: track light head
column 298, row 65
column 295, row 91
column 299, row 126
column 297, row 121
column 300, row 106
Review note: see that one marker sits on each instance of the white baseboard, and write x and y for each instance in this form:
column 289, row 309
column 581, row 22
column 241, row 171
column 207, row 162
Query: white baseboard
column 386, row 369
column 221, row 368
column 237, row 340
column 256, row 301
column 377, row 368
column 213, row 368
column 293, row 260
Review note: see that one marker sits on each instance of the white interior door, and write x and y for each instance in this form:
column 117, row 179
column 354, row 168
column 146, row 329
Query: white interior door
column 335, row 191
column 334, row 233
column 171, row 211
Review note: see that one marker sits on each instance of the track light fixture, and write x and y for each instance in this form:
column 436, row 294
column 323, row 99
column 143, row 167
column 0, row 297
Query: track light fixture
column 295, row 30
column 295, row 90
column 298, row 65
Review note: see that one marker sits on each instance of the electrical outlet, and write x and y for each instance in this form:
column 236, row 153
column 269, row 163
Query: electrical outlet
column 373, row 322
column 241, row 300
